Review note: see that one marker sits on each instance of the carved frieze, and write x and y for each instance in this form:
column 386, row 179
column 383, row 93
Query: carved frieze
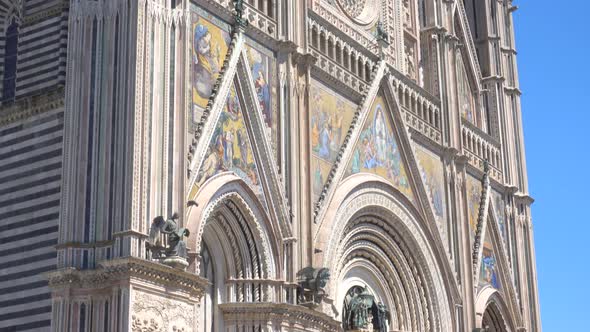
column 151, row 312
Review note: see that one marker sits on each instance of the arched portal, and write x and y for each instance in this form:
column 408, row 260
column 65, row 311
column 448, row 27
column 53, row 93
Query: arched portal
column 236, row 249
column 492, row 313
column 493, row 320
column 373, row 238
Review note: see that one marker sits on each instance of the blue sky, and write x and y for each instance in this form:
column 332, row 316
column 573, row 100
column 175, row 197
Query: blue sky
column 553, row 57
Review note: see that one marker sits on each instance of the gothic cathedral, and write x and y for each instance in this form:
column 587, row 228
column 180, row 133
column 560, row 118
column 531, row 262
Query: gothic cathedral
column 263, row 166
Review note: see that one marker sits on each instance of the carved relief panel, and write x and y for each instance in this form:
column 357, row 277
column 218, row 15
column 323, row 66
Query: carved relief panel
column 151, row 312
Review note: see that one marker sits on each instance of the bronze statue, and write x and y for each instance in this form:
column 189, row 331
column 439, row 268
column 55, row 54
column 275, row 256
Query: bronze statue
column 311, row 285
column 176, row 247
column 361, row 311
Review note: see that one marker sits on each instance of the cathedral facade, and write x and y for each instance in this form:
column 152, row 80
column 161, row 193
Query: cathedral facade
column 263, row 165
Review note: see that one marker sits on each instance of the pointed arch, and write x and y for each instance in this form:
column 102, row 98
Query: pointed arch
column 235, row 246
column 228, row 198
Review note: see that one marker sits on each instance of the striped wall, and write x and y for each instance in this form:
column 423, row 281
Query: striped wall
column 42, row 44
column 30, row 183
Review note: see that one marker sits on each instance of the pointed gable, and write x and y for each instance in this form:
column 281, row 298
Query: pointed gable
column 377, row 151
column 330, row 118
column 230, row 149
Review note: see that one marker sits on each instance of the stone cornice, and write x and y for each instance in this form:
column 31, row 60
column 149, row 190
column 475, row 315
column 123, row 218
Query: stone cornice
column 513, row 90
column 127, row 268
column 28, row 106
column 525, row 198
column 279, row 312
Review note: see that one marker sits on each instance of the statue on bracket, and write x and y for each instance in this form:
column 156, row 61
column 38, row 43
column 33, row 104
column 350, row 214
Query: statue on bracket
column 174, row 253
column 363, row 313
column 312, row 281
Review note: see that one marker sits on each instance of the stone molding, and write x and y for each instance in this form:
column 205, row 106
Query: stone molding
column 127, row 268
column 284, row 314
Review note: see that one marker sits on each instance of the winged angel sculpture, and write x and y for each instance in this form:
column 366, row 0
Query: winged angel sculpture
column 175, row 248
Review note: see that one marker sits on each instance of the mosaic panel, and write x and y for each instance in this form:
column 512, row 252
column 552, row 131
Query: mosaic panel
column 263, row 69
column 489, row 265
column 466, row 100
column 209, row 48
column 230, row 149
column 432, row 172
column 331, row 115
column 377, row 150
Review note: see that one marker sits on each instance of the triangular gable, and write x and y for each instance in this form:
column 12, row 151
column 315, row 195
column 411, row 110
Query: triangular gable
column 233, row 121
column 230, row 149
column 377, row 150
column 494, row 269
column 330, row 118
column 395, row 162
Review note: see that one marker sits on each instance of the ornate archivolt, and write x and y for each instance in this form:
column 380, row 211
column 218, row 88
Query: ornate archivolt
column 491, row 311
column 372, row 222
column 227, row 198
